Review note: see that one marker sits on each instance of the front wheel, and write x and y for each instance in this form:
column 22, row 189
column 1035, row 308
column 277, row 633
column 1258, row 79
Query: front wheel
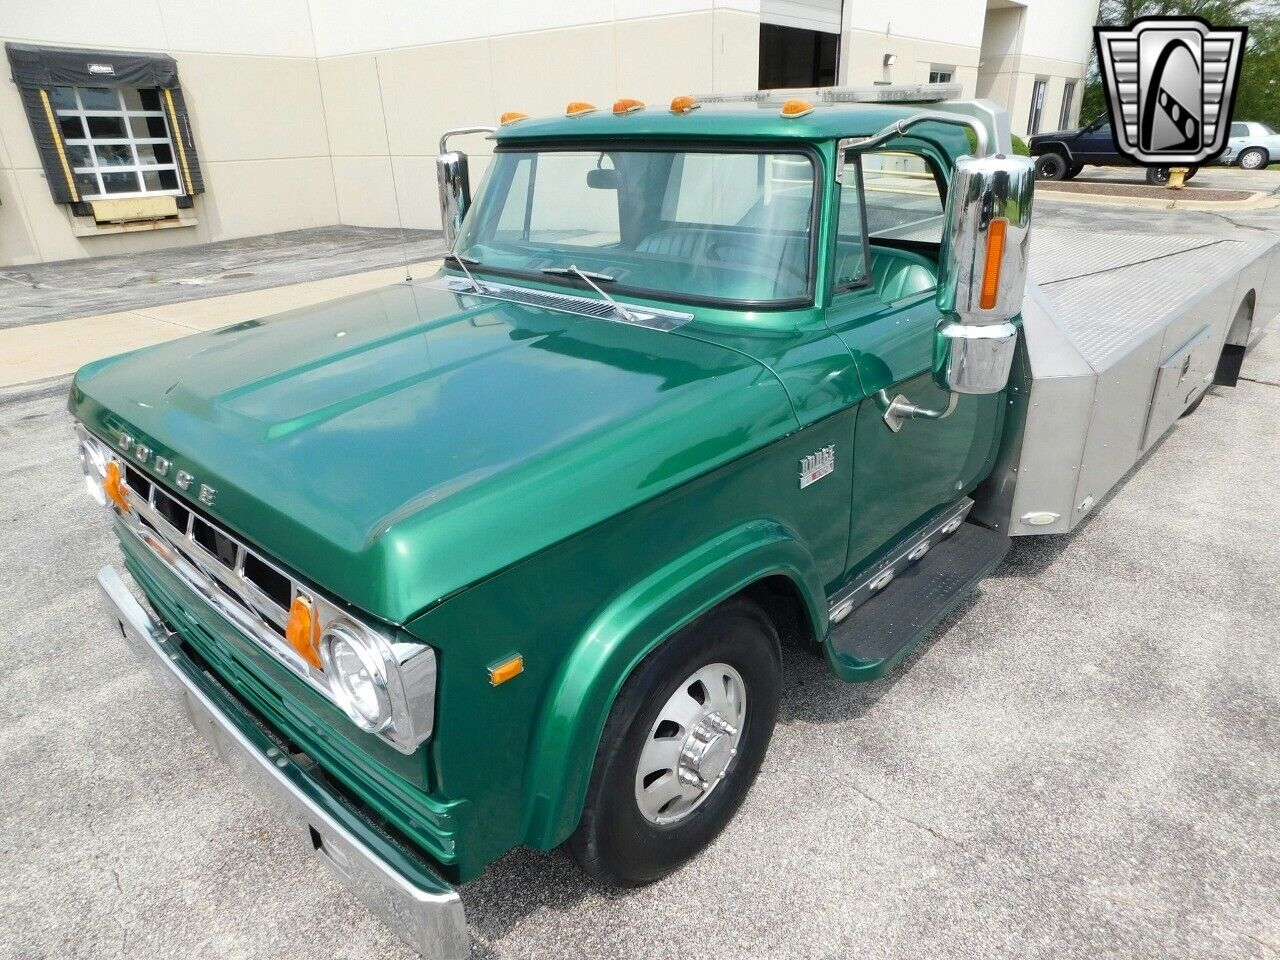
column 681, row 748
column 1255, row 158
column 1073, row 171
column 1050, row 166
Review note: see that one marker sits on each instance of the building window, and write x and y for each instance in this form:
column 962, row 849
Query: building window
column 1068, row 94
column 1037, row 106
column 791, row 57
column 939, row 74
column 118, row 141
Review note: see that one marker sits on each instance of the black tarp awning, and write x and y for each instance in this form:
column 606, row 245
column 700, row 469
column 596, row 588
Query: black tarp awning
column 36, row 69
column 69, row 67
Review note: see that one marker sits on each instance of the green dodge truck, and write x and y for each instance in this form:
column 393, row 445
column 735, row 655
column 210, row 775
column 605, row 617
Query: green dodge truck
column 504, row 556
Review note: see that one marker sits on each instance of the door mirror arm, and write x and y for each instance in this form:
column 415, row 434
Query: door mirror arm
column 898, row 410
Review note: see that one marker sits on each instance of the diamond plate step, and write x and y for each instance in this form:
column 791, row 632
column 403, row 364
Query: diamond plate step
column 881, row 631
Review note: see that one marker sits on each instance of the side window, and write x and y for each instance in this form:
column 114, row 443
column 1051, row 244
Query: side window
column 850, row 268
column 902, row 197
column 1239, row 130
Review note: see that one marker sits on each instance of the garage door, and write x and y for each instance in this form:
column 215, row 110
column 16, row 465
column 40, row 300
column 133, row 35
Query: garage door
column 822, row 15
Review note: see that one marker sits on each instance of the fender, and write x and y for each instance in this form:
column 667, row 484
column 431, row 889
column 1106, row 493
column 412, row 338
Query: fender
column 1055, row 146
column 628, row 629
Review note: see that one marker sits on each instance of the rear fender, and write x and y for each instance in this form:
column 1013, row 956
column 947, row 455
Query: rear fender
column 581, row 695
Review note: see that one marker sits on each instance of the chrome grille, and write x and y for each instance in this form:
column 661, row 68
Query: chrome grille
column 663, row 320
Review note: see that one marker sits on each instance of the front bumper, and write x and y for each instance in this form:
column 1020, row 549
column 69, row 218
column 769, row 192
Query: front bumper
column 420, row 906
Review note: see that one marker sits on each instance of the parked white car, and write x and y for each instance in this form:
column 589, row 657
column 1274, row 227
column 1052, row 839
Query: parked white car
column 1252, row 145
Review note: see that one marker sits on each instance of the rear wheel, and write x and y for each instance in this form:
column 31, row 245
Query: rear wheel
column 681, row 748
column 1051, row 166
column 1255, row 158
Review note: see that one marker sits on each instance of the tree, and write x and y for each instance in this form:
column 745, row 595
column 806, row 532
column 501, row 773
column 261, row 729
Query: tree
column 1258, row 95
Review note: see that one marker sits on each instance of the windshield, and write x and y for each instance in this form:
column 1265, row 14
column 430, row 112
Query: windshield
column 686, row 225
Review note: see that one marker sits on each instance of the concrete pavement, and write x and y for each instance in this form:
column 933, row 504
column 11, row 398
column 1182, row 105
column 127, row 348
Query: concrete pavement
column 1080, row 762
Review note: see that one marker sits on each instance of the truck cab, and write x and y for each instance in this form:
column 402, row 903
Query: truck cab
column 505, row 555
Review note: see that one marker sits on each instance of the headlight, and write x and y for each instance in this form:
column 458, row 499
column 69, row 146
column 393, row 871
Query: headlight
column 93, row 460
column 357, row 676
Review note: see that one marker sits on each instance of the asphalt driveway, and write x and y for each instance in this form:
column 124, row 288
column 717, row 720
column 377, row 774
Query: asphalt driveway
column 1082, row 761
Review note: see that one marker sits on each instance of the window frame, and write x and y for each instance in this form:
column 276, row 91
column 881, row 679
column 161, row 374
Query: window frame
column 1068, row 96
column 708, row 145
column 937, row 70
column 834, row 289
column 137, row 168
column 1041, row 86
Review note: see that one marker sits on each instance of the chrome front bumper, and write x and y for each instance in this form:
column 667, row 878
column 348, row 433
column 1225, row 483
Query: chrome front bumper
column 421, row 907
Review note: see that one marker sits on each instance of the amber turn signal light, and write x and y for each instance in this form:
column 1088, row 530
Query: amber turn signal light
column 114, row 487
column 796, row 108
column 512, row 116
column 578, row 108
column 991, row 268
column 684, row 103
column 627, row 105
column 303, row 631
column 506, row 670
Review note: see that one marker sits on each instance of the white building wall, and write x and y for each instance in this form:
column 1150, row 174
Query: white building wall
column 312, row 112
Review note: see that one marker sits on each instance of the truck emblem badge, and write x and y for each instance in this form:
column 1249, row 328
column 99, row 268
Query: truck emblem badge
column 161, row 466
column 1171, row 86
column 183, row 480
column 142, row 452
column 207, row 494
column 817, row 465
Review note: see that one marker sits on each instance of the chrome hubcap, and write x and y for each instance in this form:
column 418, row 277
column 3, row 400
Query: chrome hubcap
column 1251, row 161
column 692, row 744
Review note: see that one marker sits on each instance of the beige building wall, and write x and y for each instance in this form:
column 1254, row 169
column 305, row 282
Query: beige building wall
column 251, row 82
column 315, row 112
column 429, row 88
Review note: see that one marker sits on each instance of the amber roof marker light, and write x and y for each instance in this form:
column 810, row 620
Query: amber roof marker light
column 625, row 105
column 794, row 109
column 579, row 108
column 684, row 104
column 512, row 116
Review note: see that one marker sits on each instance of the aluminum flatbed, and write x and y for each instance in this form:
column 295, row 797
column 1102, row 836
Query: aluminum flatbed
column 1123, row 333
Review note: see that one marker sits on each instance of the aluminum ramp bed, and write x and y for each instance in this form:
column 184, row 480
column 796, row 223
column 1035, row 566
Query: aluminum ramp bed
column 1122, row 333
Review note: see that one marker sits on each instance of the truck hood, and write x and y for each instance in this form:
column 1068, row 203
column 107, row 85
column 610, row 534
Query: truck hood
column 399, row 445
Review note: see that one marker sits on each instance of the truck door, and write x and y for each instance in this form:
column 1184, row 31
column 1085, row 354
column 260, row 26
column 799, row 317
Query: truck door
column 1096, row 145
column 885, row 277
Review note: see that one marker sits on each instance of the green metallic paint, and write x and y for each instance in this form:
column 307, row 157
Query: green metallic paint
column 620, row 588
column 503, row 479
column 363, row 440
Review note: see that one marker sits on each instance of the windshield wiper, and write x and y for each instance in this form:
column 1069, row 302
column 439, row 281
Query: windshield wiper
column 587, row 275
column 462, row 262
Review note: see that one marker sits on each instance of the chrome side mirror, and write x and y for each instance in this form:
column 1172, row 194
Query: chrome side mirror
column 982, row 272
column 454, row 180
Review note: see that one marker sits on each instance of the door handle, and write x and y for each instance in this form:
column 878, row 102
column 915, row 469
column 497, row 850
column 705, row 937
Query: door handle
column 897, row 410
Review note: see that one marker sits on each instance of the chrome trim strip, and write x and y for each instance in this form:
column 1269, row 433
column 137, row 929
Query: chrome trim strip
column 649, row 317
column 909, row 552
column 431, row 921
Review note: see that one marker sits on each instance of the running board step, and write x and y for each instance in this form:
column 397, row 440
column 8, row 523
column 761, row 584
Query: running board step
column 881, row 631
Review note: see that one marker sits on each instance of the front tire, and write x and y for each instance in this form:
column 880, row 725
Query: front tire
column 1051, row 166
column 1073, row 171
column 699, row 710
column 1255, row 158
